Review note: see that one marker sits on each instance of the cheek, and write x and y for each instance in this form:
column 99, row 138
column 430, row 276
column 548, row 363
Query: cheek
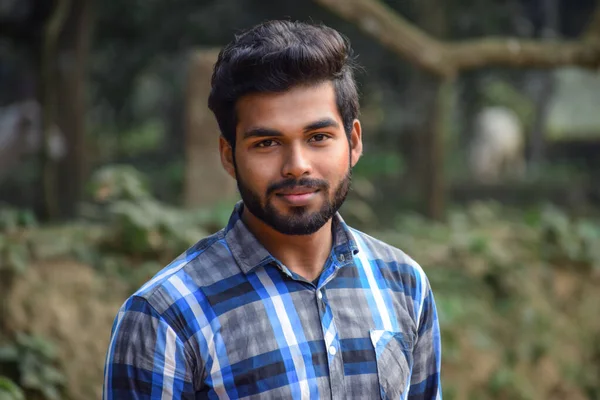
column 337, row 162
column 255, row 173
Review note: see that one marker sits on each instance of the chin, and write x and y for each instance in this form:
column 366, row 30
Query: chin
column 311, row 207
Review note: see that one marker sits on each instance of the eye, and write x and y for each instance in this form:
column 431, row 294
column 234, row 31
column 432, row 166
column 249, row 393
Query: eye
column 265, row 143
column 319, row 137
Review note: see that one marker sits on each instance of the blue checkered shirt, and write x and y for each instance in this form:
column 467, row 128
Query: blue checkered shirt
column 226, row 320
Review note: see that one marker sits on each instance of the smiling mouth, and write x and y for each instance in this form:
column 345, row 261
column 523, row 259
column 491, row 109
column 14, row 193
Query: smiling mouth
column 297, row 192
column 297, row 197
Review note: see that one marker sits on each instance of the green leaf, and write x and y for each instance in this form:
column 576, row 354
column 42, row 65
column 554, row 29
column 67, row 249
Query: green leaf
column 10, row 390
column 478, row 245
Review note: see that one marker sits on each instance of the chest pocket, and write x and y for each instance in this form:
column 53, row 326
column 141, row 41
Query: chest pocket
column 393, row 351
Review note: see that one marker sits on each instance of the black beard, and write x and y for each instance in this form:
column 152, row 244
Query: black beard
column 301, row 222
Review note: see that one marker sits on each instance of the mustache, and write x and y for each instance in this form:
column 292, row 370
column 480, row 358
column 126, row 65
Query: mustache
column 294, row 183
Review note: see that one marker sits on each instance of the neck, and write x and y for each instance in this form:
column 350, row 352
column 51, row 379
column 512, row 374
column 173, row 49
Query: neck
column 303, row 254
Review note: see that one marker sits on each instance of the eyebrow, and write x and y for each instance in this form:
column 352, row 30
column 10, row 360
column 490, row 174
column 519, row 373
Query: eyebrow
column 261, row 132
column 313, row 126
column 320, row 124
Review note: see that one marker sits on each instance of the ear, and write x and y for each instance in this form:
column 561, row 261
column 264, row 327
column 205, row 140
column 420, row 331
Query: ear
column 227, row 156
column 356, row 145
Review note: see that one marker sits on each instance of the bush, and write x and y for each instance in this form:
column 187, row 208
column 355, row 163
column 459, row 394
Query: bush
column 32, row 359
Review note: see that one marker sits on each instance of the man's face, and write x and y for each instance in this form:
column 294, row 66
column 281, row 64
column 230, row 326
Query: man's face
column 292, row 158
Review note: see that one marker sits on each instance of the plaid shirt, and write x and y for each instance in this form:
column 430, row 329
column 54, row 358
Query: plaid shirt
column 226, row 320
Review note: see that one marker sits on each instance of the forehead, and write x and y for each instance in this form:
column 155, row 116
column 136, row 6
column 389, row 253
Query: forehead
column 288, row 111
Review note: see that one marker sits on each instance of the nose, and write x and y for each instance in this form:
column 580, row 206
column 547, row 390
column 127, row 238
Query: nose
column 296, row 163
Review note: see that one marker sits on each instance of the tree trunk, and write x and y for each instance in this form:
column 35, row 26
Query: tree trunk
column 434, row 188
column 73, row 59
column 432, row 19
column 206, row 183
column 549, row 30
column 48, row 72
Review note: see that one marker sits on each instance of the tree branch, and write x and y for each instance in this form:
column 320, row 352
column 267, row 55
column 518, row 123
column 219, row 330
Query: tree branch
column 473, row 54
column 393, row 31
column 449, row 58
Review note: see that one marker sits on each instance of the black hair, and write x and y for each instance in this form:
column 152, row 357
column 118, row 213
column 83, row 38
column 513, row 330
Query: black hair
column 276, row 56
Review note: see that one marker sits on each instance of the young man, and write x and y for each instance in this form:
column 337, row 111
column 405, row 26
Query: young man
column 287, row 301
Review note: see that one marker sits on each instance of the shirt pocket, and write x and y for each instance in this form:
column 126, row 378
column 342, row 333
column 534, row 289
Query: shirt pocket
column 393, row 352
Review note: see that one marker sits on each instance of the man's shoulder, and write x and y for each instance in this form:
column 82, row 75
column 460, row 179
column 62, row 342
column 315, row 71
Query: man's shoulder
column 203, row 264
column 387, row 256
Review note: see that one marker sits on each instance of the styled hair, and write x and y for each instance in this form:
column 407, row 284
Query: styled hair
column 276, row 56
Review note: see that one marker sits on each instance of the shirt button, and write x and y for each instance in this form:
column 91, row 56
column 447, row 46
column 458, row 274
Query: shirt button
column 319, row 295
column 332, row 350
column 341, row 257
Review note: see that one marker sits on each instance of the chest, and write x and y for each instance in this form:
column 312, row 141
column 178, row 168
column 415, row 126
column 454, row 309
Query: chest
column 281, row 338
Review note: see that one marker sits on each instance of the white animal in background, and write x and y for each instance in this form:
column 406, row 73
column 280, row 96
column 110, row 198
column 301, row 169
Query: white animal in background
column 498, row 147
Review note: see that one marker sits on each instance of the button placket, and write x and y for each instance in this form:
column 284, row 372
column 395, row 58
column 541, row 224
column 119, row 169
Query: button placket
column 336, row 370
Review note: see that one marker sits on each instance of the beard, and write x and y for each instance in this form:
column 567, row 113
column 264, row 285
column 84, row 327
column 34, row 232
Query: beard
column 300, row 220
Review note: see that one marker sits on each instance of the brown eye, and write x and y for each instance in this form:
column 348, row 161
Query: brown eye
column 265, row 143
column 319, row 137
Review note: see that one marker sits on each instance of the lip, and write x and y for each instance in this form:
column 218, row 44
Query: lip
column 298, row 197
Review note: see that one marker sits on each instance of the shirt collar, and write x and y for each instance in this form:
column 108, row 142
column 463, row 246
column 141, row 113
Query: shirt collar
column 249, row 253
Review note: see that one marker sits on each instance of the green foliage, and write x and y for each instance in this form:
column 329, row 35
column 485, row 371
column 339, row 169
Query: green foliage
column 137, row 224
column 143, row 138
column 150, row 229
column 388, row 164
column 569, row 242
column 9, row 390
column 14, row 253
column 497, row 276
column 118, row 182
column 34, row 360
column 507, row 383
column 12, row 219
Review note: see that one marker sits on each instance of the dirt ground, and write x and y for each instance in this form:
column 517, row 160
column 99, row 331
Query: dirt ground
column 73, row 306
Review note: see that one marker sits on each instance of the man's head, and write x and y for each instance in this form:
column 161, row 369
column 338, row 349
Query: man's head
column 285, row 99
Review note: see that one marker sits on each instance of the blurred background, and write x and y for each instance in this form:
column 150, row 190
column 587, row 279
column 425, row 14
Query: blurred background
column 481, row 124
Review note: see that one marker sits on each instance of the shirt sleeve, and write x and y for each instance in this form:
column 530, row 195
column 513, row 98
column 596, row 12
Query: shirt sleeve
column 146, row 359
column 425, row 380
